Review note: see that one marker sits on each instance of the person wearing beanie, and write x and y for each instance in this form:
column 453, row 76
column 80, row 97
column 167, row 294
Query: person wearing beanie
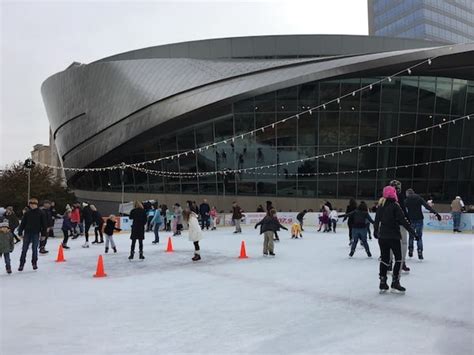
column 457, row 206
column 360, row 217
column 268, row 226
column 6, row 244
column 388, row 219
column 401, row 201
column 413, row 205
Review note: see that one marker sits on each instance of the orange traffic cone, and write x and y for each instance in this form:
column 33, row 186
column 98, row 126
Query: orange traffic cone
column 169, row 248
column 60, row 258
column 243, row 253
column 100, row 268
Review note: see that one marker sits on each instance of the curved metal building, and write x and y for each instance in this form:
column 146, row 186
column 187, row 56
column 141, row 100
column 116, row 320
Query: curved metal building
column 163, row 100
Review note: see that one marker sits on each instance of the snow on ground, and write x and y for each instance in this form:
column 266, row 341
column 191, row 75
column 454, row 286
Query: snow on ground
column 310, row 299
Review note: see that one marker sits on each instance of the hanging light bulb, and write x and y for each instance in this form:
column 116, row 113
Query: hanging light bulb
column 429, row 61
column 338, row 100
column 310, row 112
column 370, row 87
column 409, row 71
column 353, row 93
column 324, row 107
column 389, row 79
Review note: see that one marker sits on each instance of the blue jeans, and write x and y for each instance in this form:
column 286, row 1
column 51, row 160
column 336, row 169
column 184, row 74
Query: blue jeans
column 418, row 227
column 6, row 256
column 359, row 233
column 156, row 228
column 28, row 239
column 456, row 220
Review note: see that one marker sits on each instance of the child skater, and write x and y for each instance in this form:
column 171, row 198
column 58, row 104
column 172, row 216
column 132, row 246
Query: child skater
column 195, row 232
column 333, row 219
column 67, row 228
column 213, row 215
column 109, row 231
column 296, row 231
column 359, row 228
column 268, row 226
column 6, row 244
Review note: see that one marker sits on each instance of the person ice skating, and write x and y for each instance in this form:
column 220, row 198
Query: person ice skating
column 296, row 231
column 388, row 219
column 109, row 233
column 194, row 232
column 457, row 206
column 88, row 220
column 139, row 218
column 333, row 219
column 236, row 216
column 13, row 222
column 413, row 205
column 268, row 226
column 156, row 221
column 204, row 210
column 360, row 216
column 213, row 215
column 169, row 219
column 260, row 208
column 178, row 219
column 150, row 213
column 350, row 220
column 34, row 225
column 98, row 225
column 404, row 247
column 300, row 218
column 66, row 228
column 324, row 221
column 76, row 220
column 6, row 244
column 46, row 209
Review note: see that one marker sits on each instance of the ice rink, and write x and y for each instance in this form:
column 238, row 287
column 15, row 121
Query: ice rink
column 310, row 299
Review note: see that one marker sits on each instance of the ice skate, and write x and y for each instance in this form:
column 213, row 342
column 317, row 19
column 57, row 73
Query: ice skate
column 383, row 287
column 106, row 250
column 131, row 255
column 43, row 251
column 410, row 253
column 35, row 265
column 155, row 242
column 65, row 246
column 196, row 257
column 396, row 287
column 272, row 254
column 95, row 242
column 85, row 245
column 420, row 255
column 405, row 268
column 21, row 267
column 114, row 249
column 141, row 256
column 265, row 254
column 369, row 254
column 351, row 254
column 9, row 269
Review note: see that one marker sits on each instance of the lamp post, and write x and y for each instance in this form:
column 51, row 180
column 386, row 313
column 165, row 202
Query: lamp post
column 29, row 164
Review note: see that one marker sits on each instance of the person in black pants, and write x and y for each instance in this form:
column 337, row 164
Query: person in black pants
column 46, row 209
column 350, row 219
column 88, row 219
column 204, row 210
column 139, row 218
column 300, row 218
column 99, row 224
column 388, row 219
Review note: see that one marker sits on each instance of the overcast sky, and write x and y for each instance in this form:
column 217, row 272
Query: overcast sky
column 40, row 38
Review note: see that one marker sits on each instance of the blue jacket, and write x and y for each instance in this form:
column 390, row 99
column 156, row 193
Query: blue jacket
column 157, row 218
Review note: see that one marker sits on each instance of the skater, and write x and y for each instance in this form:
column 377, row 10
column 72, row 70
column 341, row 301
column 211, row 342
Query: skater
column 98, row 225
column 237, row 216
column 6, row 244
column 46, row 209
column 139, row 218
column 324, row 221
column 300, row 218
column 164, row 217
column 204, row 210
column 350, row 207
column 333, row 219
column 88, row 220
column 150, row 213
column 296, row 231
column 268, row 226
column 178, row 219
column 109, row 233
column 213, row 215
column 33, row 224
column 13, row 222
column 260, row 209
column 156, row 222
column 76, row 220
column 414, row 204
column 457, row 206
column 388, row 219
column 195, row 232
column 360, row 216
column 66, row 228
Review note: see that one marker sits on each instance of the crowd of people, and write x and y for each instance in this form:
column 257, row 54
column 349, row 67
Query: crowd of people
column 398, row 223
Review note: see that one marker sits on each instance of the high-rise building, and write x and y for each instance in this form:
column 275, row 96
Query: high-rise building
column 438, row 20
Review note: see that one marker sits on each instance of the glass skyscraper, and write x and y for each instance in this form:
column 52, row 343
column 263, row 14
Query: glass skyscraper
column 438, row 20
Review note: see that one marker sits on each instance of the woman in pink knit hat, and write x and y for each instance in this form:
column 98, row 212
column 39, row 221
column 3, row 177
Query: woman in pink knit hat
column 387, row 224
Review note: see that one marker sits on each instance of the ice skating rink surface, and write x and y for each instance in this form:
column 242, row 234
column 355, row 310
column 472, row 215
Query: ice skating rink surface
column 310, row 299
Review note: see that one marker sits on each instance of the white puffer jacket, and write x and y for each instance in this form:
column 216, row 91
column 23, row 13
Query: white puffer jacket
column 195, row 232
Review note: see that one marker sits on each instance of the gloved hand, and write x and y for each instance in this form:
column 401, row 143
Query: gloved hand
column 438, row 216
column 255, row 227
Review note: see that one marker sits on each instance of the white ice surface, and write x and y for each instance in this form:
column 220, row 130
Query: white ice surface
column 310, row 299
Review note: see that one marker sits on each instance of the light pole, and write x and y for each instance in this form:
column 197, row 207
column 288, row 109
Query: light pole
column 29, row 164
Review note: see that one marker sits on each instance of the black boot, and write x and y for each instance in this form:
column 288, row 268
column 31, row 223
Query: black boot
column 410, row 253
column 396, row 287
column 196, row 257
column 35, row 265
column 369, row 254
column 142, row 257
column 383, row 287
column 43, row 251
column 106, row 250
column 351, row 254
column 9, row 269
column 20, row 268
column 115, row 249
column 405, row 268
column 131, row 255
column 420, row 254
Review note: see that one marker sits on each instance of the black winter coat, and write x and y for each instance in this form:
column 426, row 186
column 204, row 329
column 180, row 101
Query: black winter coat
column 110, row 227
column 300, row 216
column 413, row 205
column 49, row 217
column 350, row 217
column 138, row 215
column 33, row 222
column 359, row 218
column 13, row 221
column 87, row 215
column 97, row 218
column 204, row 209
column 269, row 224
column 388, row 220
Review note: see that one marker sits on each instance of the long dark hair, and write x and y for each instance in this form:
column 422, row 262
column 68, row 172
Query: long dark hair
column 353, row 203
column 363, row 207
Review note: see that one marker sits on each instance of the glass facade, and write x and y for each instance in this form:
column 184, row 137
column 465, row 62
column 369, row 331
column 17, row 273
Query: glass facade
column 440, row 20
column 391, row 108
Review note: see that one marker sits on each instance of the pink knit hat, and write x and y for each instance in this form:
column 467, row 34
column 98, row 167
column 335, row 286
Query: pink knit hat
column 390, row 192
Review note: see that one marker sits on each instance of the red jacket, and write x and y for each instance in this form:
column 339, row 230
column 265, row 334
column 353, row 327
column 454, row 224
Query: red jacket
column 75, row 215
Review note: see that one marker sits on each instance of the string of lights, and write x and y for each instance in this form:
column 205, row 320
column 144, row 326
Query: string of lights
column 305, row 113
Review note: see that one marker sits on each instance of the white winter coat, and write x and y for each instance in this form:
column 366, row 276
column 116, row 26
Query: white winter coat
column 195, row 232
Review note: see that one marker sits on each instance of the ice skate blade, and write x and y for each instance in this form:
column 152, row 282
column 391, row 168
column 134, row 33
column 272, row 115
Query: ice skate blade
column 397, row 292
column 382, row 291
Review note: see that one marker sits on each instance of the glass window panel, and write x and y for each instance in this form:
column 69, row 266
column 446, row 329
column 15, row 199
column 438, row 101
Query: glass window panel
column 388, row 125
column 329, row 127
column 246, row 188
column 247, row 105
column 370, row 98
column 409, row 92
column 186, row 141
column 327, row 188
column 347, row 188
column 287, row 188
column 329, row 163
column 329, row 90
column 470, row 98
column 349, row 129
column 268, row 136
column 391, row 95
column 427, row 95
column 351, row 102
column 224, row 128
column 443, row 95
column 265, row 103
column 308, row 96
column 308, row 130
column 459, row 97
column 368, row 161
column 365, row 190
column 437, row 170
column 369, row 121
column 286, row 132
column 307, row 188
column 405, row 157
column 406, row 124
column 205, row 135
column 440, row 135
column 207, row 188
